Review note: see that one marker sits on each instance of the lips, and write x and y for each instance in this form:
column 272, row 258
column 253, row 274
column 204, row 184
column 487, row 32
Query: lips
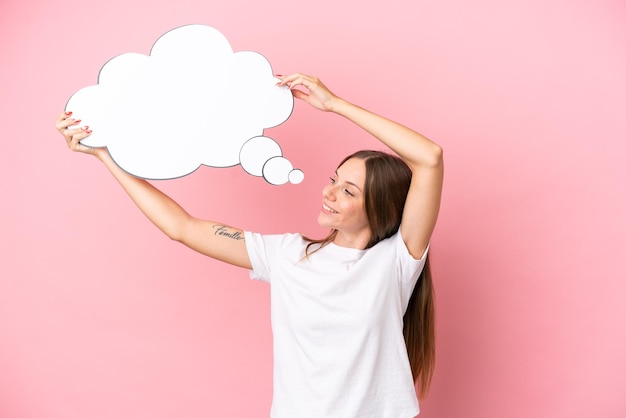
column 328, row 209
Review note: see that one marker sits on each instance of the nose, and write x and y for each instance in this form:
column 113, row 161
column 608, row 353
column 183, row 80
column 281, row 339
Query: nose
column 329, row 192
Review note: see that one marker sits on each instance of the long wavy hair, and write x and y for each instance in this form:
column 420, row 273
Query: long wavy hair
column 387, row 181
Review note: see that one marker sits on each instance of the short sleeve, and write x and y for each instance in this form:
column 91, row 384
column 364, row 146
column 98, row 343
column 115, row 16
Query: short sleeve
column 258, row 256
column 269, row 254
column 410, row 268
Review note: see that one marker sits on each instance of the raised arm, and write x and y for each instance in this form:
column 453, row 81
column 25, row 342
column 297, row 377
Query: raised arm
column 213, row 239
column 424, row 157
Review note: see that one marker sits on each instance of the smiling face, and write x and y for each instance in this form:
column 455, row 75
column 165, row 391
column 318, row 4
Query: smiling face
column 343, row 205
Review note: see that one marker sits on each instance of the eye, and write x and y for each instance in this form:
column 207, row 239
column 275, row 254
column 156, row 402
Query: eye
column 332, row 180
column 346, row 191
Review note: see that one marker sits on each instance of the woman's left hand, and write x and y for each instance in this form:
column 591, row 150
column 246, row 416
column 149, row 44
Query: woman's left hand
column 318, row 95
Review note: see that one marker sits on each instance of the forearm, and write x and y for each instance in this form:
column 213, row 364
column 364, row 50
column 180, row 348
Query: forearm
column 210, row 238
column 414, row 148
column 159, row 208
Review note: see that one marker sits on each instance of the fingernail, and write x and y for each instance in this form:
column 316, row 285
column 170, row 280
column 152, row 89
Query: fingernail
column 77, row 121
column 89, row 131
column 85, row 128
column 68, row 113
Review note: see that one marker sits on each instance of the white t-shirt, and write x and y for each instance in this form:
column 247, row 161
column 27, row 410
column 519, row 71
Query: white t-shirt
column 337, row 326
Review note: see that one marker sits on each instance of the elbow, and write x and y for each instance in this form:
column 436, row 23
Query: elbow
column 432, row 158
column 172, row 234
column 174, row 237
column 436, row 157
column 181, row 228
column 175, row 232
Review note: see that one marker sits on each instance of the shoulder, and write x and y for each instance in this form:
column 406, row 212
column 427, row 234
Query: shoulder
column 399, row 242
column 395, row 248
column 285, row 238
column 274, row 242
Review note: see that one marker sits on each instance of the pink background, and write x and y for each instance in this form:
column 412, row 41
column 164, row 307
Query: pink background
column 102, row 316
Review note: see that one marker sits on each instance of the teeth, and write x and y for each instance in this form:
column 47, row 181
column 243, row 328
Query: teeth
column 328, row 209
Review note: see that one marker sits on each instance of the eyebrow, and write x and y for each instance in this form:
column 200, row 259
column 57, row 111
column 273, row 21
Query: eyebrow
column 349, row 182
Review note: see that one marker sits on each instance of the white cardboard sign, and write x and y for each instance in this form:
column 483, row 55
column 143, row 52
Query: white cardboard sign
column 191, row 102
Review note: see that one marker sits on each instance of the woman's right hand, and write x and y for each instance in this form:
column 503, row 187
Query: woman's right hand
column 67, row 126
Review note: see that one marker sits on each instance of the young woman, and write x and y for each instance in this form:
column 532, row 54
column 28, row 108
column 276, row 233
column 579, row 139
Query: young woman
column 352, row 314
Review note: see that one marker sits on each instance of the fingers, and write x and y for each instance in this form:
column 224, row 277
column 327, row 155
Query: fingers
column 314, row 93
column 66, row 125
column 298, row 94
column 64, row 120
column 298, row 79
column 74, row 136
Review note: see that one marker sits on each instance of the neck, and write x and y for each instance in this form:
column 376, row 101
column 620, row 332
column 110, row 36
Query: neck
column 358, row 241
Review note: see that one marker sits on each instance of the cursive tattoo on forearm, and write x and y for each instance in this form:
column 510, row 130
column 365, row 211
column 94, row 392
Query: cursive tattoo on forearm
column 225, row 231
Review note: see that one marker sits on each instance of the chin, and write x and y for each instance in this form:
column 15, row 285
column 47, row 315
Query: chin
column 323, row 222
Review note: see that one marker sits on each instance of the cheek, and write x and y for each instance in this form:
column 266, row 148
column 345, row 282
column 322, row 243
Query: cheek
column 358, row 211
column 364, row 214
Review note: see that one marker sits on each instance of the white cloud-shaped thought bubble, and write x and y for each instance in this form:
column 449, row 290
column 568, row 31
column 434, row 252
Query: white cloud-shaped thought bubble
column 191, row 102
